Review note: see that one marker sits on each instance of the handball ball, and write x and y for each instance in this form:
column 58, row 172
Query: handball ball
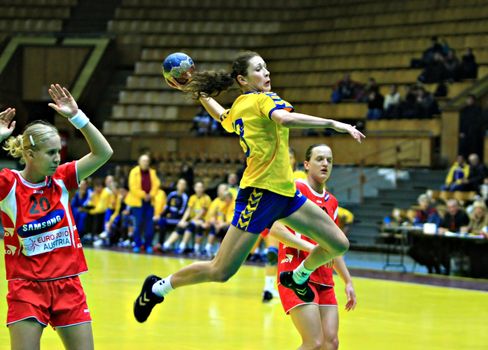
column 177, row 68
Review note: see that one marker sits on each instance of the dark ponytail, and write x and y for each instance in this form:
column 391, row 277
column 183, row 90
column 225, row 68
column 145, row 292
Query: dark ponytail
column 211, row 83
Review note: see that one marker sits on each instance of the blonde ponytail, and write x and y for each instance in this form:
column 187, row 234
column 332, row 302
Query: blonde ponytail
column 34, row 133
column 14, row 147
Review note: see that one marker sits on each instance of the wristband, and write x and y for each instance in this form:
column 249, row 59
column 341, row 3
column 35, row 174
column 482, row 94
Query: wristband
column 79, row 120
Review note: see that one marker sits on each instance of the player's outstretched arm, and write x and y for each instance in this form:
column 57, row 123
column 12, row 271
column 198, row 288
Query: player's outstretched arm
column 299, row 120
column 343, row 272
column 100, row 150
column 7, row 124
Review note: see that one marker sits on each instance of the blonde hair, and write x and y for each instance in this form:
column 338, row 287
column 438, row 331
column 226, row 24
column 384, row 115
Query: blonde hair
column 34, row 134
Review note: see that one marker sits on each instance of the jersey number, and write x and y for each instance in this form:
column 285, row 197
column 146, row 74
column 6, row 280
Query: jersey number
column 42, row 204
column 239, row 128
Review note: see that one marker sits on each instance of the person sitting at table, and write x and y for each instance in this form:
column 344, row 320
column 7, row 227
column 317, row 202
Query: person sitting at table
column 398, row 217
column 478, row 221
column 426, row 213
column 454, row 218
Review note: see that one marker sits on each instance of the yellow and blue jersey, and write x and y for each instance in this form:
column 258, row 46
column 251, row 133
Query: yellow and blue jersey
column 199, row 205
column 264, row 142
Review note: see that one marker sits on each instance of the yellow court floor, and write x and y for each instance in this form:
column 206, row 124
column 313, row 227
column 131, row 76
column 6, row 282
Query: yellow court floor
column 389, row 315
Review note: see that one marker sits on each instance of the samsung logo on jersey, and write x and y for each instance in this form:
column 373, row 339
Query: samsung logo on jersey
column 39, row 225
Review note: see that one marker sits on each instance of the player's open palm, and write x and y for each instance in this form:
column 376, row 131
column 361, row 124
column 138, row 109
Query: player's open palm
column 64, row 103
column 7, row 124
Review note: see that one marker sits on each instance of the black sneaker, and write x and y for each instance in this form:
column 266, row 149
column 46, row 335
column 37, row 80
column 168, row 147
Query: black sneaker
column 267, row 296
column 303, row 291
column 146, row 300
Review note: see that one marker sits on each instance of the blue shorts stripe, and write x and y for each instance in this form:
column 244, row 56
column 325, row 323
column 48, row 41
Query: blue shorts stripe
column 252, row 205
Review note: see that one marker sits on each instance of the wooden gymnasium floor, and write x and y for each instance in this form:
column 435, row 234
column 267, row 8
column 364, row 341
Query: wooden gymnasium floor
column 389, row 315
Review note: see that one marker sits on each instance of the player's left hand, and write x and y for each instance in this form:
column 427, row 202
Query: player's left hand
column 351, row 297
column 350, row 129
column 64, row 103
column 355, row 133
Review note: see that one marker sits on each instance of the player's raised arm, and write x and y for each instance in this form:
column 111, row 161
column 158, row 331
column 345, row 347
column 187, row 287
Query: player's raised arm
column 300, row 120
column 7, row 124
column 100, row 150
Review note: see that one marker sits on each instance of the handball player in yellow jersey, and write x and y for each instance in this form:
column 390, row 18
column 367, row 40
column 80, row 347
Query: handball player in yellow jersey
column 267, row 190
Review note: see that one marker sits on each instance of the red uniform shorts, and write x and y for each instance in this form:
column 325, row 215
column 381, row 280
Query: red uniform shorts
column 59, row 303
column 324, row 296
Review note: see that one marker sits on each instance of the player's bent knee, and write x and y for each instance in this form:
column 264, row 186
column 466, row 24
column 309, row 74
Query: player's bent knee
column 316, row 344
column 331, row 343
column 222, row 276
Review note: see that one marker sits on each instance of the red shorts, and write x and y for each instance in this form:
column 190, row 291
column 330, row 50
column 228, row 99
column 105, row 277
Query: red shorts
column 323, row 296
column 59, row 303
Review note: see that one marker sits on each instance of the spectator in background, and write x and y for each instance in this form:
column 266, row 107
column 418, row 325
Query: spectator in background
column 233, row 184
column 452, row 65
column 469, row 67
column 477, row 174
column 96, row 211
column 187, row 173
column 478, row 221
column 427, row 105
column 202, row 123
column 79, row 205
column 434, row 72
column 107, row 204
column 375, row 105
column 426, row 214
column 345, row 218
column 143, row 187
column 454, row 218
column 409, row 108
column 173, row 213
column 429, row 54
column 160, row 201
column 472, row 128
column 365, row 91
column 193, row 220
column 391, row 103
column 456, row 176
column 218, row 218
column 345, row 89
column 120, row 225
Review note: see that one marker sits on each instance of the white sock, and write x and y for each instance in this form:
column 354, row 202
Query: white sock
column 196, row 247
column 208, row 248
column 301, row 273
column 269, row 283
column 182, row 246
column 166, row 246
column 162, row 287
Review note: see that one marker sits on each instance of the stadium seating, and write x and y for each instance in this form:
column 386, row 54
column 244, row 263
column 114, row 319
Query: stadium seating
column 308, row 46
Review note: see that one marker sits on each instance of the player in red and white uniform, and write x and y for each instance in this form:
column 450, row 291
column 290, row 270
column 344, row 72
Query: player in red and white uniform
column 43, row 253
column 317, row 321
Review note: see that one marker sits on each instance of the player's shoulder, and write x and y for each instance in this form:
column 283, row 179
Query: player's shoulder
column 6, row 172
column 302, row 185
column 332, row 198
column 7, row 175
